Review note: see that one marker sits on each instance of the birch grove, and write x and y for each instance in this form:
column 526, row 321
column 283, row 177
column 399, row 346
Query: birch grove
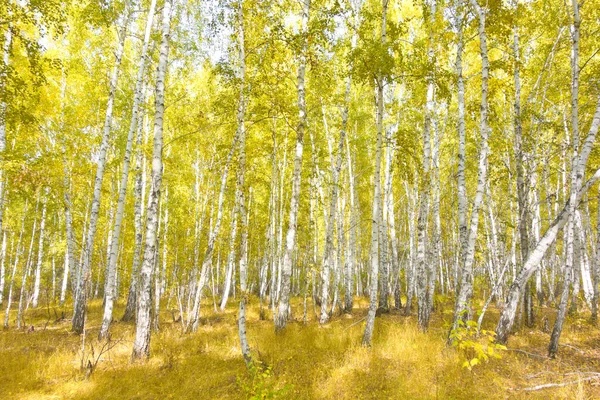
column 180, row 165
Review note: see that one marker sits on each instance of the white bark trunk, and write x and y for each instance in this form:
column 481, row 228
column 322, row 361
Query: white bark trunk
column 290, row 239
column 38, row 269
column 14, row 268
column 507, row 317
column 376, row 212
column 110, row 277
column 466, row 287
column 141, row 345
column 2, row 266
column 462, row 190
column 81, row 291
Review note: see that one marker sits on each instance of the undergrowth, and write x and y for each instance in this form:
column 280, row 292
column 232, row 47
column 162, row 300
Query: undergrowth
column 306, row 361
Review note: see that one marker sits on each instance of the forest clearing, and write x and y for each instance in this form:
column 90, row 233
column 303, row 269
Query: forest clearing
column 299, row 199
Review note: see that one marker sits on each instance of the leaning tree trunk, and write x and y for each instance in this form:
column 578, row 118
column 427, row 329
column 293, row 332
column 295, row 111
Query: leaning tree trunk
column 466, row 286
column 290, row 238
column 368, row 334
column 193, row 318
column 507, row 317
column 110, row 276
column 83, row 283
column 141, row 345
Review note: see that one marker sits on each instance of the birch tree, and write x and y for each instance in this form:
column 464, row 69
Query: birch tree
column 466, row 284
column 290, row 238
column 376, row 212
column 141, row 345
column 85, row 269
column 110, row 280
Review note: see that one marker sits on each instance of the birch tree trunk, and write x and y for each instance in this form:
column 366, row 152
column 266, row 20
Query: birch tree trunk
column 329, row 234
column 141, row 345
column 231, row 256
column 466, row 286
column 214, row 231
column 6, row 48
column 507, row 317
column 14, row 268
column 2, row 267
column 132, row 295
column 290, row 239
column 576, row 180
column 596, row 267
column 244, row 211
column 462, row 189
column 82, row 287
column 26, row 268
column 110, row 280
column 351, row 251
column 423, row 274
column 38, row 269
column 70, row 250
column 522, row 187
column 375, row 218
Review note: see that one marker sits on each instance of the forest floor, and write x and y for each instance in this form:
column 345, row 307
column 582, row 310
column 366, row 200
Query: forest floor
column 43, row 360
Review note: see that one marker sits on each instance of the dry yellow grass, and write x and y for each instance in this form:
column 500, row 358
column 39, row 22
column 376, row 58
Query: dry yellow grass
column 307, row 361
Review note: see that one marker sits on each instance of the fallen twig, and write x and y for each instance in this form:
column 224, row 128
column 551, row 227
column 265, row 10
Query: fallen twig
column 357, row 322
column 529, row 354
column 562, row 374
column 572, row 347
column 551, row 385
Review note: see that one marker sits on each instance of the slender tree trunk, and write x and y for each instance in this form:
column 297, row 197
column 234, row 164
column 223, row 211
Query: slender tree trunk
column 231, row 256
column 368, row 334
column 2, row 267
column 244, row 210
column 466, row 286
column 19, row 250
column 351, row 251
column 462, row 189
column 596, row 267
column 141, row 345
column 214, row 231
column 329, row 234
column 82, row 287
column 507, row 317
column 522, row 187
column 290, row 239
column 110, row 279
column 423, row 273
column 577, row 172
column 6, row 48
column 26, row 269
column 38, row 269
column 70, row 237
column 384, row 256
column 132, row 295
